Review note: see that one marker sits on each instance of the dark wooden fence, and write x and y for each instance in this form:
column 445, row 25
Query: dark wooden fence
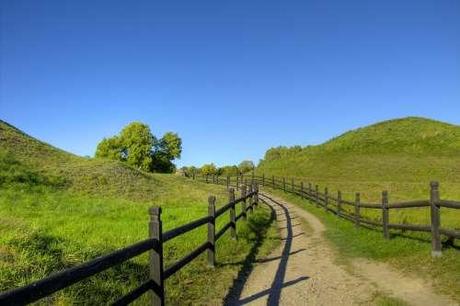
column 352, row 209
column 154, row 245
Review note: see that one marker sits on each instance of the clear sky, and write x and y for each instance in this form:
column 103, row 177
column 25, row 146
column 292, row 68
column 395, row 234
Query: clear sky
column 233, row 78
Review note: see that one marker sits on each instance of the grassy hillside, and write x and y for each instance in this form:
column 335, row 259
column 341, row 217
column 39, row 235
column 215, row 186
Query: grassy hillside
column 58, row 210
column 401, row 156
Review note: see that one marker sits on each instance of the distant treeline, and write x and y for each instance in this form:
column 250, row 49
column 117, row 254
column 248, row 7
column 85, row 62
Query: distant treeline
column 210, row 169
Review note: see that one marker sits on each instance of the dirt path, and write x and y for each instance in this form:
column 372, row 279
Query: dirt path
column 302, row 271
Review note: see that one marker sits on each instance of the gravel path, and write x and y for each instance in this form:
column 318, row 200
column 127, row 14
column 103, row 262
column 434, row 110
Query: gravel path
column 303, row 271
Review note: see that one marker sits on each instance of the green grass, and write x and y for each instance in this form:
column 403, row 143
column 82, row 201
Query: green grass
column 401, row 156
column 384, row 300
column 409, row 253
column 58, row 210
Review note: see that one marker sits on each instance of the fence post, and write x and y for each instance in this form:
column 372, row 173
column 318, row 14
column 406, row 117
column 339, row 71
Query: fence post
column 435, row 220
column 357, row 201
column 228, row 181
column 212, row 231
column 193, row 175
column 339, row 202
column 217, row 179
column 301, row 189
column 207, row 177
column 326, row 198
column 156, row 257
column 237, row 181
column 231, row 198
column 385, row 215
column 292, row 184
column 263, row 179
column 273, row 181
column 284, row 184
column 243, row 204
column 317, row 195
column 309, row 189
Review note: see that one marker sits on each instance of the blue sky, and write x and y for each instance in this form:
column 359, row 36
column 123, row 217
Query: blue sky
column 233, row 78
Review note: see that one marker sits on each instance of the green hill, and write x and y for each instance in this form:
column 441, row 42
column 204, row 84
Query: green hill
column 401, row 155
column 58, row 209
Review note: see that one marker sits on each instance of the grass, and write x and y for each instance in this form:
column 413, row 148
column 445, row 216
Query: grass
column 401, row 156
column 58, row 210
column 409, row 253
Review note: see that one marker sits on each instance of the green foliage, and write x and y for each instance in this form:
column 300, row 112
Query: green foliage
column 133, row 145
column 246, row 166
column 138, row 147
column 208, row 169
column 168, row 148
column 189, row 171
column 110, row 148
column 229, row 170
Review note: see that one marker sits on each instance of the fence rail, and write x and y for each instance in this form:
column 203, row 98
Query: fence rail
column 335, row 204
column 154, row 245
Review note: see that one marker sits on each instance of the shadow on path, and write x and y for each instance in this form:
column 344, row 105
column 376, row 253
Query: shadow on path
column 236, row 289
column 274, row 292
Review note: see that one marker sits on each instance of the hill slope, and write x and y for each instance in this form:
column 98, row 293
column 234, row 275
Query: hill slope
column 400, row 155
column 20, row 153
column 58, row 210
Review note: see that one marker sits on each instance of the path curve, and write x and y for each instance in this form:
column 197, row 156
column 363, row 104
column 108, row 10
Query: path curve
column 303, row 271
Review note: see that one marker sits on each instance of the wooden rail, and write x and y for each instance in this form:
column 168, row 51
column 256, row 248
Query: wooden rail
column 154, row 245
column 335, row 205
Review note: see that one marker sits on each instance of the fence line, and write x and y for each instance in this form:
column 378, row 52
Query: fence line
column 154, row 245
column 336, row 205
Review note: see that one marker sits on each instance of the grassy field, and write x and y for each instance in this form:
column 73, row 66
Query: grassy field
column 409, row 253
column 401, row 156
column 58, row 210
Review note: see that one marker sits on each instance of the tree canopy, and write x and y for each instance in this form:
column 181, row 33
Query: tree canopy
column 208, row 169
column 137, row 146
column 246, row 166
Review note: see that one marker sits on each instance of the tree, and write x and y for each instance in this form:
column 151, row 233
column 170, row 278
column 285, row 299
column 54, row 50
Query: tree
column 168, row 148
column 208, row 169
column 229, row 170
column 246, row 166
column 137, row 146
column 109, row 148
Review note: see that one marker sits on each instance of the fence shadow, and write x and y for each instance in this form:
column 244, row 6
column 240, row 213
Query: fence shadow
column 277, row 285
column 236, row 289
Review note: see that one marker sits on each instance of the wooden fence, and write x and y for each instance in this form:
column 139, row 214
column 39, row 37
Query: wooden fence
column 154, row 245
column 336, row 205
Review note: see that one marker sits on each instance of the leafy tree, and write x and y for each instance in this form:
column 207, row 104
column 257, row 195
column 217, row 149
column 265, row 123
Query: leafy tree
column 137, row 146
column 110, row 148
column 208, row 169
column 246, row 166
column 168, row 148
column 189, row 170
column 229, row 170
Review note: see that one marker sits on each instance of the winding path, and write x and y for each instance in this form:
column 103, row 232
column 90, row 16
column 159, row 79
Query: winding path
column 303, row 271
